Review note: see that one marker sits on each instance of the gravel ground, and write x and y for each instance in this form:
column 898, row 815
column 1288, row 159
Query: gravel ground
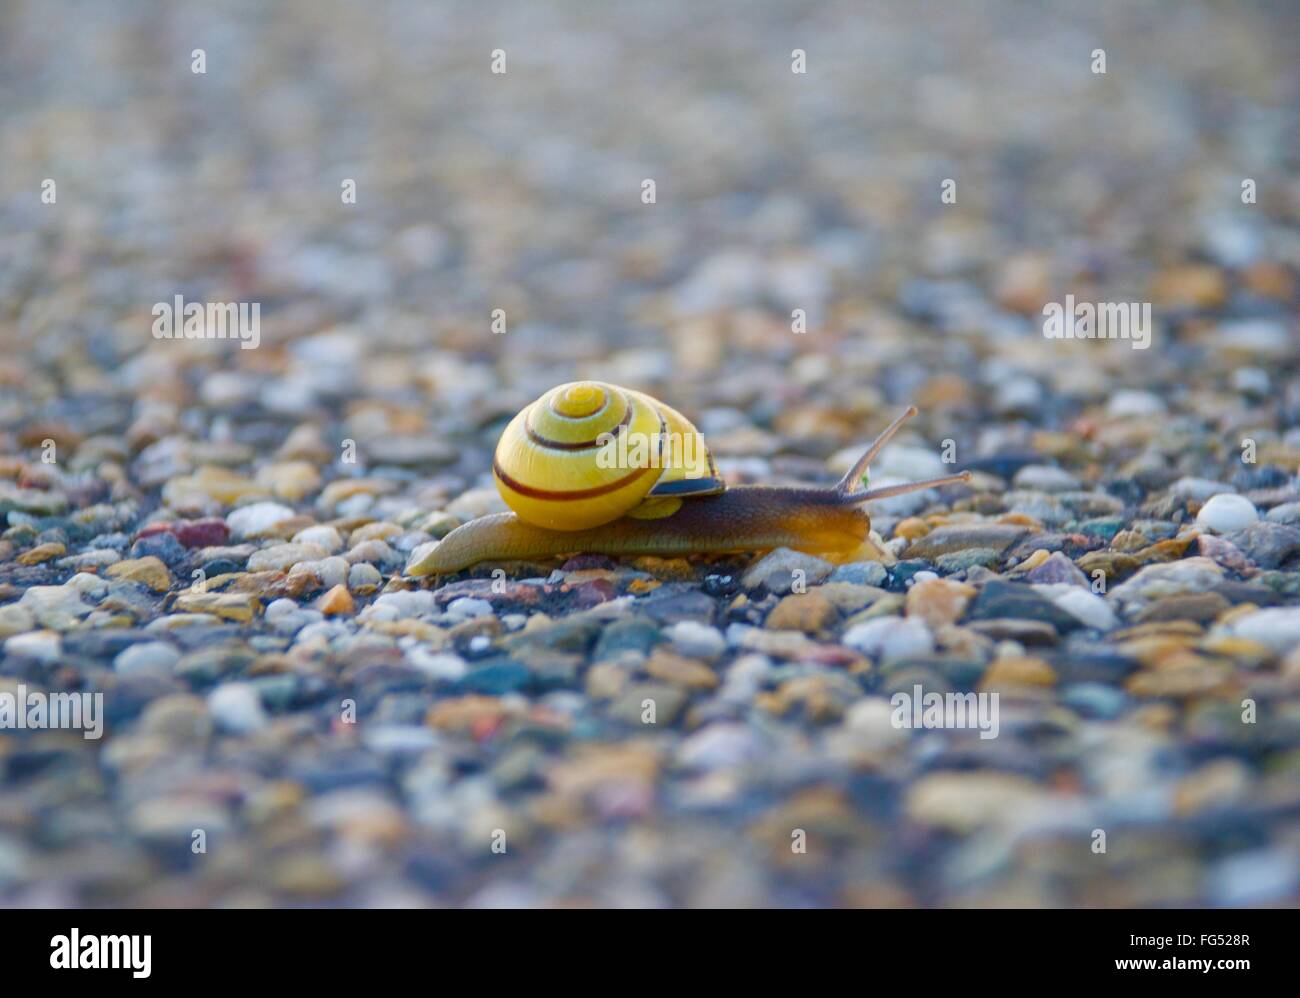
column 215, row 538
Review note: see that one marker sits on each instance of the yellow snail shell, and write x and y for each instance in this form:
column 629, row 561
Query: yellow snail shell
column 588, row 453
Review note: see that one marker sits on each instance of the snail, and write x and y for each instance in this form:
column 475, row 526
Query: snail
column 591, row 467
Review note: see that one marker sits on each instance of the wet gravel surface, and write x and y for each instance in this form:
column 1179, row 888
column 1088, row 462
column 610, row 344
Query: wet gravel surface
column 215, row 537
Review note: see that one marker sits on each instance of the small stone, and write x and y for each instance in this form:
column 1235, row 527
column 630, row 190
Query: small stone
column 681, row 671
column 648, row 706
column 202, row 533
column 239, row 607
column 42, row 553
column 39, row 646
column 438, row 524
column 442, row 666
column 14, row 619
column 1056, row 569
column 911, row 528
column 163, row 546
column 719, row 746
column 960, row 561
column 150, row 572
column 695, row 640
column 281, row 557
column 1267, row 544
column 1044, row 478
column 1083, row 604
column 1287, row 513
column 1278, row 628
column 1200, row 607
column 1190, row 575
column 953, row 538
column 938, row 602
column 890, row 638
column 57, row 607
column 257, row 518
column 861, row 573
column 146, row 657
column 966, row 801
column 291, row 480
column 1189, row 285
column 337, row 602
column 322, row 536
column 998, row 600
column 1199, row 489
column 237, row 707
column 811, row 612
column 364, row 579
column 1018, row 672
column 197, row 492
column 1127, row 403
column 400, row 605
column 1226, row 512
column 467, row 608
column 777, row 571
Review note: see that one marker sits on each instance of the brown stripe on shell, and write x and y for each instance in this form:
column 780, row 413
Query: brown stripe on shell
column 599, row 490
column 541, row 441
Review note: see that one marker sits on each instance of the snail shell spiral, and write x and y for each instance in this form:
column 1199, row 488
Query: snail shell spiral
column 588, row 452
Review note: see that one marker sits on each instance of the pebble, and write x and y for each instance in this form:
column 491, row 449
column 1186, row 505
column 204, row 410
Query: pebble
column 257, row 518
column 783, row 569
column 812, row 612
column 147, row 657
column 1225, row 513
column 237, row 708
column 890, row 638
column 695, row 640
column 1084, row 605
column 322, row 536
column 1278, row 629
column 862, row 573
column 1056, row 569
column 1044, row 478
column 149, row 572
column 938, row 602
column 467, row 608
column 281, row 557
column 953, row 539
column 337, row 602
column 1268, row 545
column 364, row 579
column 202, row 533
column 39, row 646
column 1199, row 489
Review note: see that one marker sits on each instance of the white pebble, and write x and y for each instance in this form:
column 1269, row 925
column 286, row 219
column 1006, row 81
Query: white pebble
column 322, row 535
column 236, row 707
column 696, row 640
column 467, row 607
column 1227, row 512
column 257, row 517
column 148, row 656
column 43, row 646
column 888, row 638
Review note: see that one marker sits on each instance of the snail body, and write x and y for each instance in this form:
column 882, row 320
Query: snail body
column 684, row 509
